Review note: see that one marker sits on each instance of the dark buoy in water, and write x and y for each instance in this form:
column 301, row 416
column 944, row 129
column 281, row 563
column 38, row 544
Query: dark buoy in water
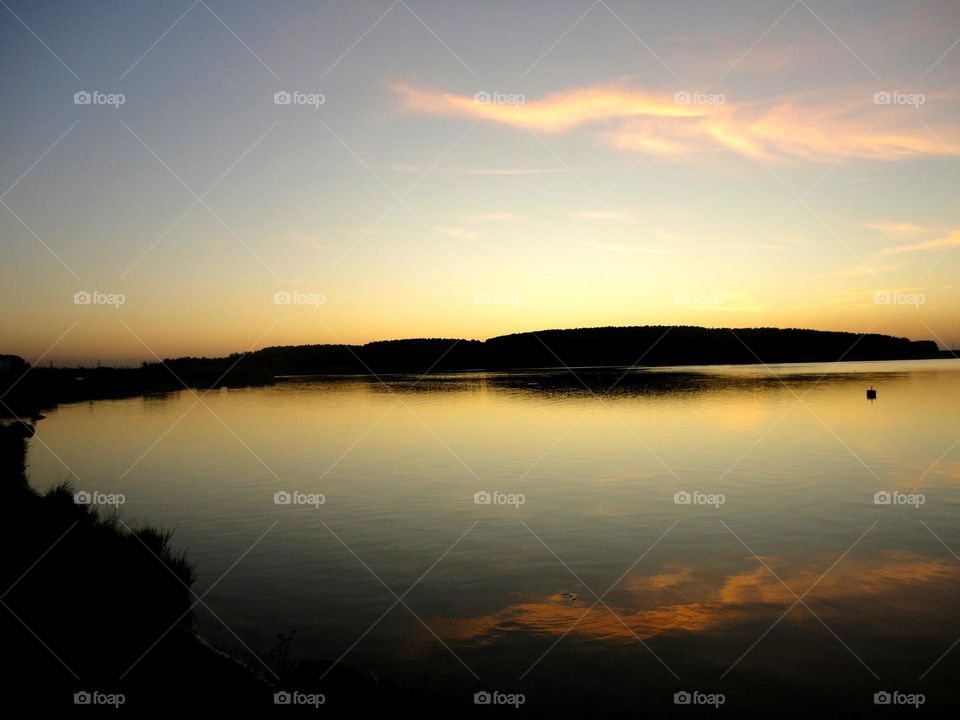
column 871, row 394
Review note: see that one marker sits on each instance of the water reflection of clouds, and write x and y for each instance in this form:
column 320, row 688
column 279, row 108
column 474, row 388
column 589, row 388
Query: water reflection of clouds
column 683, row 599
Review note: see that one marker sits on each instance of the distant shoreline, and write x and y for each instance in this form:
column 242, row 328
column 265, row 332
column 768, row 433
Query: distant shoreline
column 560, row 368
column 27, row 390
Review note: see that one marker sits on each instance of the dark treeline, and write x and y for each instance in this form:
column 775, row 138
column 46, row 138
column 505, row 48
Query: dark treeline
column 608, row 346
column 26, row 391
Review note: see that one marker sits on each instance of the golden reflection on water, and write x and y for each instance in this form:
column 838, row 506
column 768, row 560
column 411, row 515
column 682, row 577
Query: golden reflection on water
column 598, row 473
column 641, row 611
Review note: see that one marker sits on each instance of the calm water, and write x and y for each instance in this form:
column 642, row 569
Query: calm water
column 787, row 467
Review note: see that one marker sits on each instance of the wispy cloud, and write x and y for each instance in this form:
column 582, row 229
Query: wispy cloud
column 461, row 233
column 553, row 113
column 784, row 131
column 855, row 271
column 630, row 119
column 948, row 240
column 900, row 229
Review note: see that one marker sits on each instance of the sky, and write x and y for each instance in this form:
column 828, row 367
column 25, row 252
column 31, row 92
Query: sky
column 200, row 178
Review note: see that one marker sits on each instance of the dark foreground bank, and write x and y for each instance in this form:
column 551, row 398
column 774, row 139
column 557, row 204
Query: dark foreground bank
column 100, row 611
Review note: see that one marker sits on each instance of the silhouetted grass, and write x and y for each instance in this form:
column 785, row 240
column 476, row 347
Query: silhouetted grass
column 95, row 604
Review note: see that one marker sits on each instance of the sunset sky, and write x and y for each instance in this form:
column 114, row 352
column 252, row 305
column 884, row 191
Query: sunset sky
column 473, row 169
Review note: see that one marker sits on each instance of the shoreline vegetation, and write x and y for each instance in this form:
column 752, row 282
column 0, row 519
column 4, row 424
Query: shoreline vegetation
column 102, row 609
column 27, row 390
column 88, row 595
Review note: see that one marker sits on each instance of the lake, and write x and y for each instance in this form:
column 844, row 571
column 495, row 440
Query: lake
column 602, row 536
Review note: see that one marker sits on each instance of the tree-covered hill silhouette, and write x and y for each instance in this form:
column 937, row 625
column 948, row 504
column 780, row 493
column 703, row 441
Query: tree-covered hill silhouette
column 653, row 345
column 26, row 393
